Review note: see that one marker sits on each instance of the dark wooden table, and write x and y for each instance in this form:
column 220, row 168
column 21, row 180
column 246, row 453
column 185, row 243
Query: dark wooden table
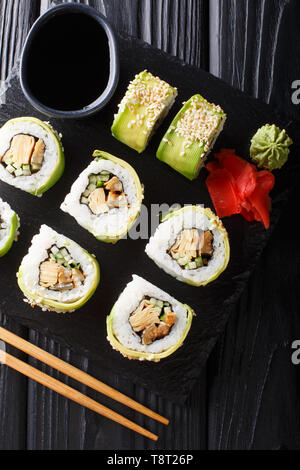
column 248, row 395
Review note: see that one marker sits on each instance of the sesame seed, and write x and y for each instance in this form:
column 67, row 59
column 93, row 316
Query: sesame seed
column 199, row 123
column 154, row 96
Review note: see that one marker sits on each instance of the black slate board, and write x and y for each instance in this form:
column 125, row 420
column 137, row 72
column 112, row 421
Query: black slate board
column 85, row 329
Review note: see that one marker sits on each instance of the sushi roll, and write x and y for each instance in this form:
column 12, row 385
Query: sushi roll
column 9, row 226
column 191, row 244
column 57, row 274
column 106, row 198
column 31, row 155
column 147, row 101
column 191, row 136
column 146, row 323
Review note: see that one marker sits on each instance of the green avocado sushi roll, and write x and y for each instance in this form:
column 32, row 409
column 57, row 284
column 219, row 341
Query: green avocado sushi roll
column 190, row 244
column 146, row 102
column 191, row 136
column 57, row 274
column 106, row 197
column 146, row 323
column 9, row 226
column 31, row 155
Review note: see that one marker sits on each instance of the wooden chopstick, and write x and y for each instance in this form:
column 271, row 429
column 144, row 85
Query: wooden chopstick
column 77, row 374
column 72, row 394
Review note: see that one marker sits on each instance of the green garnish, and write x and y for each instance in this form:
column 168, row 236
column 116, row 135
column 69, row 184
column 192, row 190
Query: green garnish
column 270, row 147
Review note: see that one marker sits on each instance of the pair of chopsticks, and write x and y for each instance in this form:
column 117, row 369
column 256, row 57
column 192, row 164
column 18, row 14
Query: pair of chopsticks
column 78, row 375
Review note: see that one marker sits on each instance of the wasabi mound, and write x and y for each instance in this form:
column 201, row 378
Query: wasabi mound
column 270, row 147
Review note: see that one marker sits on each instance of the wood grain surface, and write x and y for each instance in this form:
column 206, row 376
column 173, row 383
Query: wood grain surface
column 248, row 395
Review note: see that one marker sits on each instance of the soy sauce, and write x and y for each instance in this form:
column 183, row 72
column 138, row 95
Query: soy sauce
column 68, row 65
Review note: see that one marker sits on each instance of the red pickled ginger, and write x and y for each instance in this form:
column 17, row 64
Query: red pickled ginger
column 236, row 187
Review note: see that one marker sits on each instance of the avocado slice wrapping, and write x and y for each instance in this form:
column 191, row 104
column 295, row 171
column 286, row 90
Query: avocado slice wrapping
column 41, row 278
column 154, row 357
column 145, row 104
column 58, row 169
column 14, row 226
column 61, row 307
column 216, row 224
column 108, row 238
column 191, row 136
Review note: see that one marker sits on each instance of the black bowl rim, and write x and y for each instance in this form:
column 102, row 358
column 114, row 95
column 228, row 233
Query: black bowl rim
column 112, row 83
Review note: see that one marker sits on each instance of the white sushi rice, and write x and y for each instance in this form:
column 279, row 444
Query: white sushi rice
column 6, row 215
column 32, row 182
column 127, row 303
column 166, row 234
column 38, row 253
column 117, row 219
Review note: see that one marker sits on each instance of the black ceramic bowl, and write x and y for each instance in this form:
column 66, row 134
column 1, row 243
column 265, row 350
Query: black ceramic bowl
column 100, row 96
